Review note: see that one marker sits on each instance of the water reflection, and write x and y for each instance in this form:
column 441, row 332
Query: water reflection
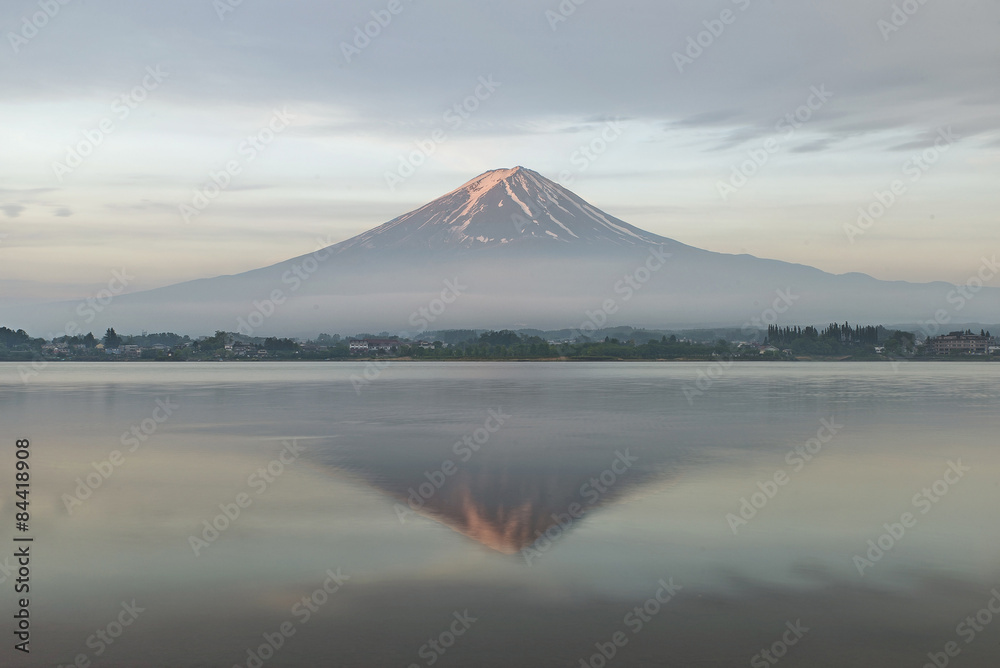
column 505, row 498
column 663, row 516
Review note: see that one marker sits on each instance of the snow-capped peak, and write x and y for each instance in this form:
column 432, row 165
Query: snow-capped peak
column 501, row 207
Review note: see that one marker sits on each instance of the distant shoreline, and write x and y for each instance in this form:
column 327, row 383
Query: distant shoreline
column 389, row 360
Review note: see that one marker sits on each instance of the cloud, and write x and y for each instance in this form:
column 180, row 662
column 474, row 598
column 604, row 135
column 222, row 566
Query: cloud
column 12, row 210
column 26, row 191
column 739, row 136
column 607, row 61
column 815, row 146
column 708, row 118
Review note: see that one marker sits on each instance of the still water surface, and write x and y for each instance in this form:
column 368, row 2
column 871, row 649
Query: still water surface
column 514, row 514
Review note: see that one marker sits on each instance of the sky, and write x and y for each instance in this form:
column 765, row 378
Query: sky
column 194, row 138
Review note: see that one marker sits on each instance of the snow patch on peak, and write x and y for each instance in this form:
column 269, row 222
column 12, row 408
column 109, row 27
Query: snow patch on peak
column 487, row 180
column 490, row 210
column 553, row 219
column 524, row 207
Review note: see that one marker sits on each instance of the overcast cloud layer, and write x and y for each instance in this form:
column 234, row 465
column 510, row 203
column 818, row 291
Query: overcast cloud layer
column 172, row 91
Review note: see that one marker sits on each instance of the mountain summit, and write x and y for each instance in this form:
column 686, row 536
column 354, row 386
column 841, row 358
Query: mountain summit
column 504, row 207
column 517, row 250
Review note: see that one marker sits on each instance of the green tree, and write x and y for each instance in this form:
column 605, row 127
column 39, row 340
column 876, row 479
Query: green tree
column 111, row 338
column 217, row 341
column 274, row 344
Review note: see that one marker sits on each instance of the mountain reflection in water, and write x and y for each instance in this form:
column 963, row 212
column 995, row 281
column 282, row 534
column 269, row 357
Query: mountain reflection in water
column 505, row 498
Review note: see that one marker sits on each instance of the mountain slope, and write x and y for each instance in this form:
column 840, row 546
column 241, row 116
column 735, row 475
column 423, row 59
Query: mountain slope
column 503, row 207
column 518, row 251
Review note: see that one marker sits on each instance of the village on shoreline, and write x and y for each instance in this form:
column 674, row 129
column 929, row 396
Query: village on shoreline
column 836, row 342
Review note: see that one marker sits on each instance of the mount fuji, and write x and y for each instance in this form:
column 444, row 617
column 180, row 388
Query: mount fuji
column 512, row 249
column 511, row 208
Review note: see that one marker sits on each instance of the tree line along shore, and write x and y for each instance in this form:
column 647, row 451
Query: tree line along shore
column 837, row 342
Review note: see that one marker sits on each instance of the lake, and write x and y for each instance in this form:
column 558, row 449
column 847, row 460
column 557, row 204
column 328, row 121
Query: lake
column 506, row 514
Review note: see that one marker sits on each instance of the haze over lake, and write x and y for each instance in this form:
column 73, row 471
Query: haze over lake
column 516, row 514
